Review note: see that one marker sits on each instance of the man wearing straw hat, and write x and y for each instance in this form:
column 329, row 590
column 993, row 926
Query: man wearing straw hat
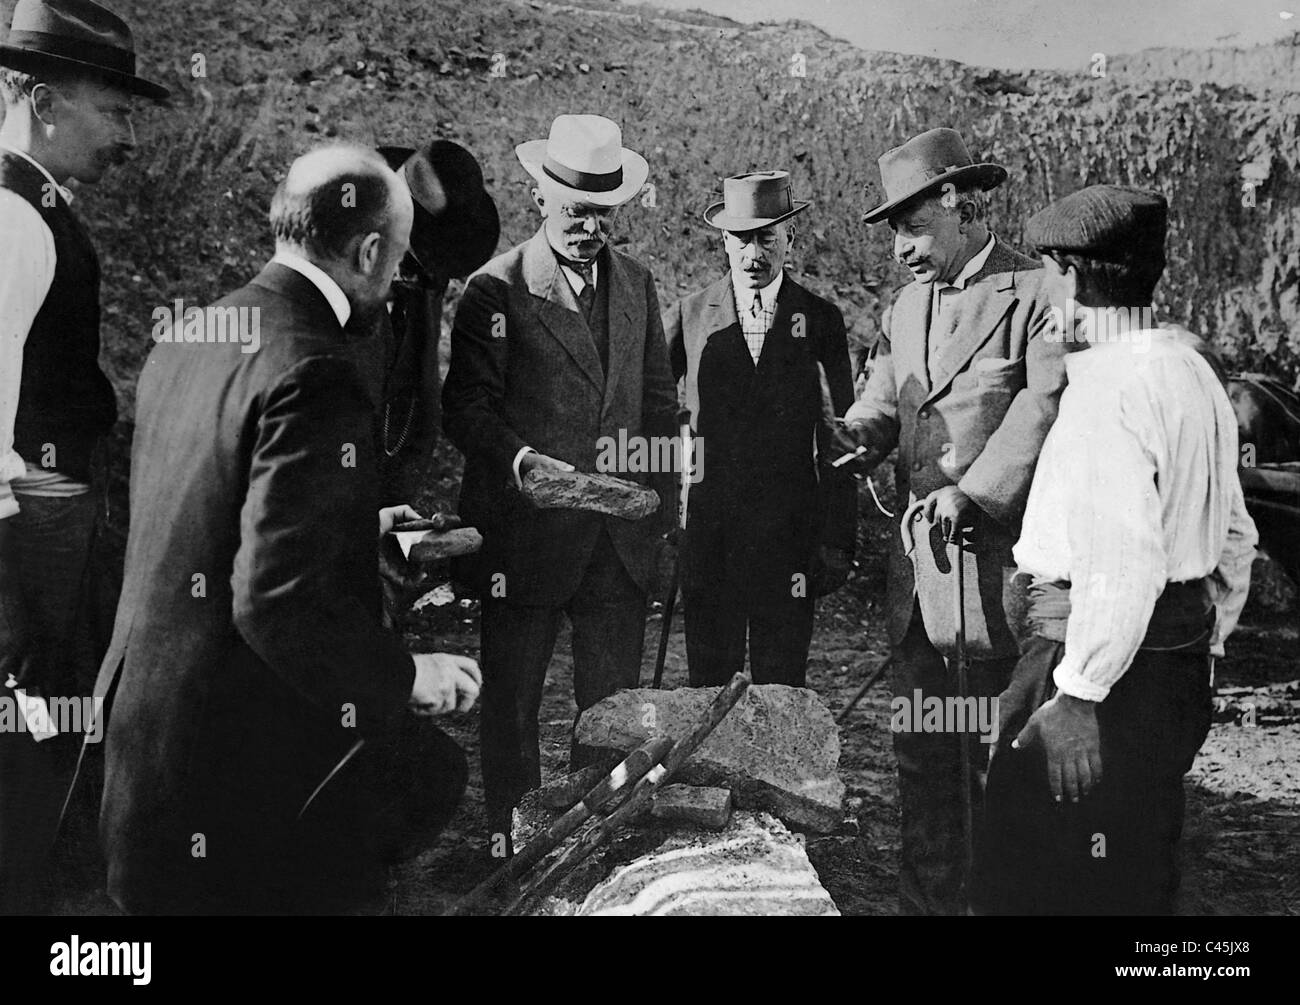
column 557, row 344
column 965, row 386
column 765, row 535
column 67, row 79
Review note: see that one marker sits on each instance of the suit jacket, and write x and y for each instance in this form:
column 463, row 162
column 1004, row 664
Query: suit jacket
column 760, row 509
column 247, row 654
column 525, row 371
column 979, row 425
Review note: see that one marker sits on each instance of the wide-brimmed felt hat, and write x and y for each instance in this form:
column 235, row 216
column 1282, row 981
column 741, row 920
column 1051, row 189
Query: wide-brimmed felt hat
column 1111, row 223
column 753, row 201
column 77, row 38
column 456, row 225
column 926, row 162
column 584, row 158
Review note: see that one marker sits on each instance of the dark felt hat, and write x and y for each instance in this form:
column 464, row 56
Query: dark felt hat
column 1106, row 222
column 78, row 38
column 456, row 226
column 925, row 163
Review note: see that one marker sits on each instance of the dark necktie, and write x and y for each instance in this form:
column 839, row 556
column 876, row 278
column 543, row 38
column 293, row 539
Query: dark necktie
column 587, row 298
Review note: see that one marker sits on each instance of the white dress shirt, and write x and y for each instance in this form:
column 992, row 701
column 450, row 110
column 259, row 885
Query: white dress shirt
column 330, row 290
column 27, row 264
column 755, row 326
column 1136, row 487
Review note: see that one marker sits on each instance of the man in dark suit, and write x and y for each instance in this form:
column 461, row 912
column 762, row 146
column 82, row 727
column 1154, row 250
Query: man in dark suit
column 965, row 385
column 260, row 753
column 765, row 535
column 557, row 344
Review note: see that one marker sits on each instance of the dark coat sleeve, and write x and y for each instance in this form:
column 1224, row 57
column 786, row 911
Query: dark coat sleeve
column 474, row 392
column 659, row 400
column 837, row 489
column 306, row 556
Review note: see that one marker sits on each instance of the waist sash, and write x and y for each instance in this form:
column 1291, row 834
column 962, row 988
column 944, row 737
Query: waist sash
column 1183, row 617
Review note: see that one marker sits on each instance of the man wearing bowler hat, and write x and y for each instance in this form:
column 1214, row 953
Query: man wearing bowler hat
column 557, row 344
column 67, row 79
column 764, row 535
column 965, row 385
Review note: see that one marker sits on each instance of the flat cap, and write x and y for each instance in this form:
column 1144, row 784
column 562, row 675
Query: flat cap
column 1106, row 222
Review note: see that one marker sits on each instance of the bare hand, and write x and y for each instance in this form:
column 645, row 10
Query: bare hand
column 533, row 459
column 390, row 516
column 952, row 509
column 1066, row 729
column 444, row 683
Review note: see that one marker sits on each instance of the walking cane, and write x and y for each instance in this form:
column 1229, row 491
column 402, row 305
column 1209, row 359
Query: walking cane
column 963, row 688
column 670, row 596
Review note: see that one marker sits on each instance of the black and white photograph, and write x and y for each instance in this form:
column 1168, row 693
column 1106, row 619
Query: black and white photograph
column 698, row 458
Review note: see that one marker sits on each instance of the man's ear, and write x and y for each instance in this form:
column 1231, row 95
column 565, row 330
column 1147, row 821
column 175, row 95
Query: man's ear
column 368, row 253
column 539, row 199
column 43, row 101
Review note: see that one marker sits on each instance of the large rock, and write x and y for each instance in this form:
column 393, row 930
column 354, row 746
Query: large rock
column 753, row 868
column 777, row 750
column 549, row 489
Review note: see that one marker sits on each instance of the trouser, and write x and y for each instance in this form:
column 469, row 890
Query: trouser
column 262, row 853
column 52, row 538
column 1113, row 852
column 931, row 865
column 607, row 613
column 778, row 636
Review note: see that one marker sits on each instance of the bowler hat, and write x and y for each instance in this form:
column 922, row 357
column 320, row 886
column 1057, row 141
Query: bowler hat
column 456, row 226
column 584, row 158
column 926, row 162
column 753, row 201
column 77, row 38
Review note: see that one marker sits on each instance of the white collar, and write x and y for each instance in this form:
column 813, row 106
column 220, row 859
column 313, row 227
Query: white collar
column 971, row 269
column 745, row 295
column 330, row 290
column 67, row 195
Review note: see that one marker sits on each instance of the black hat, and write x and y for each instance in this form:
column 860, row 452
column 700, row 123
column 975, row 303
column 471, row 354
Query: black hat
column 754, row 201
column 75, row 37
column 456, row 225
column 1106, row 222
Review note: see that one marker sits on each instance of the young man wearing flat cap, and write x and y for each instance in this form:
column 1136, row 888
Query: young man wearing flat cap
column 557, row 344
column 966, row 387
column 67, row 78
column 1139, row 545
column 767, row 532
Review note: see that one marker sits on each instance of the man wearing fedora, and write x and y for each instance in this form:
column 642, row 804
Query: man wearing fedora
column 965, row 385
column 455, row 231
column 764, row 535
column 67, row 79
column 1139, row 544
column 556, row 344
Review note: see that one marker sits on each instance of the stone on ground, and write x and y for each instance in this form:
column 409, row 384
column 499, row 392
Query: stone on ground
column 702, row 805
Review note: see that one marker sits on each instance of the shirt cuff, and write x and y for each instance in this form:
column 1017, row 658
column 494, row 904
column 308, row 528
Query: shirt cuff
column 519, row 481
column 1072, row 682
column 8, row 504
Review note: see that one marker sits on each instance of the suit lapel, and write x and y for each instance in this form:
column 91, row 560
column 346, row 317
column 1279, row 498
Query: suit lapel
column 557, row 307
column 991, row 293
column 625, row 342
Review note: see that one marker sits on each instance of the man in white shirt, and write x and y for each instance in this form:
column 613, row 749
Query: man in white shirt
column 67, row 79
column 1139, row 544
